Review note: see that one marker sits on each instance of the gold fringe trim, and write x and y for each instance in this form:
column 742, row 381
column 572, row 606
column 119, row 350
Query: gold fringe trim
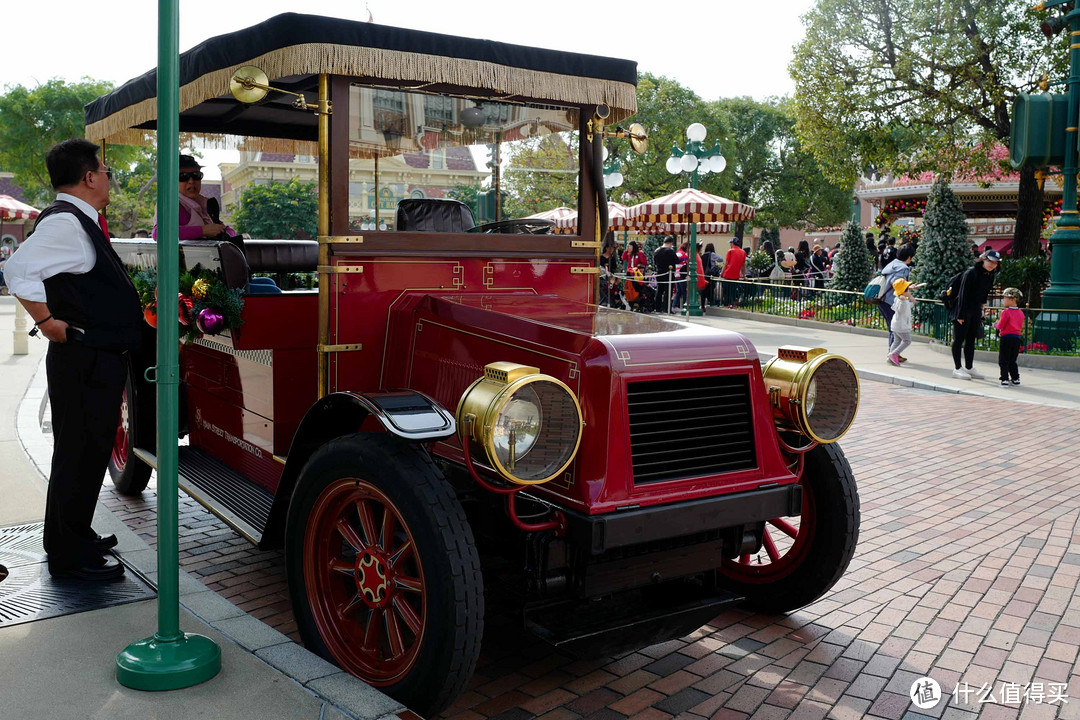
column 360, row 62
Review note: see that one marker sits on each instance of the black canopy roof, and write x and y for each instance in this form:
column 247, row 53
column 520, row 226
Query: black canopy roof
column 293, row 49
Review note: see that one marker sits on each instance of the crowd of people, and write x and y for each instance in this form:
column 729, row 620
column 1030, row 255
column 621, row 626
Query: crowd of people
column 633, row 282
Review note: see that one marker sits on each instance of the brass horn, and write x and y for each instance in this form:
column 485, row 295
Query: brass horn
column 250, row 84
column 639, row 139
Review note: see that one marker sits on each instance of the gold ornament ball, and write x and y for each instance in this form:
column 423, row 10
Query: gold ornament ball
column 200, row 289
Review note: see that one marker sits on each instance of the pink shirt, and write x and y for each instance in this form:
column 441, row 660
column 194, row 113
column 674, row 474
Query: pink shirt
column 1011, row 322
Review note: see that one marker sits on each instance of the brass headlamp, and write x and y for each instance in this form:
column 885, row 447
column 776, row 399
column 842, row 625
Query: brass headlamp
column 812, row 392
column 527, row 423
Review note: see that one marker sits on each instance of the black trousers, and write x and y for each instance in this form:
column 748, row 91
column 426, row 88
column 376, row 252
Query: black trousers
column 965, row 334
column 85, row 390
column 1008, row 351
column 663, row 291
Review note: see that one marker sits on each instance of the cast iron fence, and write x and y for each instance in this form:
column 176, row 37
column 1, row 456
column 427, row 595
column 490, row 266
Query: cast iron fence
column 1045, row 330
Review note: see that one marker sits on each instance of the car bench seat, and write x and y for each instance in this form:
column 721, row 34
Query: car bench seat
column 434, row 215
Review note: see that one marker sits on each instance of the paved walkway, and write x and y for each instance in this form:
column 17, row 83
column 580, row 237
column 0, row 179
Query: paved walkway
column 928, row 366
column 967, row 570
column 64, row 667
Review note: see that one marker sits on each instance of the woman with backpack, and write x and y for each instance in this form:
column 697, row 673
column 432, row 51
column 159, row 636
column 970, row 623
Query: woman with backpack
column 970, row 290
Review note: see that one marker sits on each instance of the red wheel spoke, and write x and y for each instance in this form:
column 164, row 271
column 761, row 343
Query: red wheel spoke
column 402, row 552
column 367, row 521
column 393, row 634
column 389, row 527
column 345, row 608
column 770, row 546
column 371, row 633
column 744, row 559
column 340, row 566
column 409, row 584
column 785, row 527
column 407, row 614
column 349, row 533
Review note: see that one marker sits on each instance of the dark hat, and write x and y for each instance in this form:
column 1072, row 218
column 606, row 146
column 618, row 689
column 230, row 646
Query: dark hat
column 991, row 255
column 669, row 239
column 188, row 161
column 733, row 241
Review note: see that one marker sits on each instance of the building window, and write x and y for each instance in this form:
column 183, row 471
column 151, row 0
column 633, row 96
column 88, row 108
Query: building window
column 438, row 110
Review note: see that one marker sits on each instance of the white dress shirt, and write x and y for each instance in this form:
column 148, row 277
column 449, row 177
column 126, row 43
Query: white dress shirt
column 59, row 245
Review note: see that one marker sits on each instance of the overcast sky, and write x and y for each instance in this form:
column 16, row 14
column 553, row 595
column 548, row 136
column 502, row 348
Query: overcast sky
column 719, row 48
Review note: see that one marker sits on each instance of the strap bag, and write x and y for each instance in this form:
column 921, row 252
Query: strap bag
column 875, row 289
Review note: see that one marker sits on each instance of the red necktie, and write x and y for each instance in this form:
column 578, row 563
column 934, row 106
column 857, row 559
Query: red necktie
column 104, row 225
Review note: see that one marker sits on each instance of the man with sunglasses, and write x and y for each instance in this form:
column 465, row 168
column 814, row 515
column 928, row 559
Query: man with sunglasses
column 72, row 283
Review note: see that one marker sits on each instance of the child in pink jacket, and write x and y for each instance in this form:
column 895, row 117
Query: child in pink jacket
column 1010, row 328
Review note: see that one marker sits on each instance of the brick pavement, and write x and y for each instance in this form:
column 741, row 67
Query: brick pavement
column 967, row 570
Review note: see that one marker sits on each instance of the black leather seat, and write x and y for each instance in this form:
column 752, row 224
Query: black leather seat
column 282, row 256
column 434, row 215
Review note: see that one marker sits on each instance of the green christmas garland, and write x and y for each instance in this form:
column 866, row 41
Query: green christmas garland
column 199, row 290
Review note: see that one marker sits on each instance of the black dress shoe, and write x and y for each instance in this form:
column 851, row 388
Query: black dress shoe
column 105, row 542
column 108, row 568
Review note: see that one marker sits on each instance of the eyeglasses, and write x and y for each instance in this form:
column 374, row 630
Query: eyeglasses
column 185, row 176
column 107, row 171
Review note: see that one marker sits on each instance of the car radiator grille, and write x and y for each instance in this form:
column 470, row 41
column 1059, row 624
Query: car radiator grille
column 690, row 427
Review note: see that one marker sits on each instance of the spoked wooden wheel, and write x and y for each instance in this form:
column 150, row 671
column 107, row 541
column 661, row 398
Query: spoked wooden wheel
column 785, row 544
column 801, row 558
column 364, row 581
column 129, row 474
column 383, row 572
column 123, row 430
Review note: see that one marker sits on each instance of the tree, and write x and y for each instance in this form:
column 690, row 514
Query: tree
column 665, row 109
column 770, row 170
column 541, row 175
column 33, row 120
column 853, row 263
column 287, row 211
column 909, row 86
column 944, row 249
column 133, row 200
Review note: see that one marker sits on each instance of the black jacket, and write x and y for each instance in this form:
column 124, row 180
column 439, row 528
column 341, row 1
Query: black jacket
column 664, row 259
column 974, row 287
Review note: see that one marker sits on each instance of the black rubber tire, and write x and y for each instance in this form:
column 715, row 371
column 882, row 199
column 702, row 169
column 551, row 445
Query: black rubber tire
column 133, row 477
column 828, row 477
column 444, row 541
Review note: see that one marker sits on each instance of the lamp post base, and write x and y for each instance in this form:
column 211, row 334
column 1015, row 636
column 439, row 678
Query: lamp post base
column 694, row 311
column 155, row 664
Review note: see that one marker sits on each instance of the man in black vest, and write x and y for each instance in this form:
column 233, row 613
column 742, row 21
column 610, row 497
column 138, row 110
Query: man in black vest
column 73, row 284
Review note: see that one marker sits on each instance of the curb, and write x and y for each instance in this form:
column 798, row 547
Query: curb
column 345, row 693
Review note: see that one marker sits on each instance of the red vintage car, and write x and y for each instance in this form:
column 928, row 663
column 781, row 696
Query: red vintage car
column 452, row 389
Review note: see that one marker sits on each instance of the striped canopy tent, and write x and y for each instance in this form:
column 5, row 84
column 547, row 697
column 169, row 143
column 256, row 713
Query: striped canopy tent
column 688, row 206
column 567, row 224
column 555, row 214
column 703, row 228
column 12, row 209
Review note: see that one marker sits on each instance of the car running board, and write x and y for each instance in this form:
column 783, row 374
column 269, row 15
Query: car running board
column 628, row 620
column 240, row 503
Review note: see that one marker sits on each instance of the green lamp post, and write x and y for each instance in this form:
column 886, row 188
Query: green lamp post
column 1064, row 290
column 613, row 178
column 697, row 160
column 170, row 659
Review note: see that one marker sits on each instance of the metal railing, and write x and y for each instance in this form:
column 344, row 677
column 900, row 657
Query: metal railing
column 1045, row 330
